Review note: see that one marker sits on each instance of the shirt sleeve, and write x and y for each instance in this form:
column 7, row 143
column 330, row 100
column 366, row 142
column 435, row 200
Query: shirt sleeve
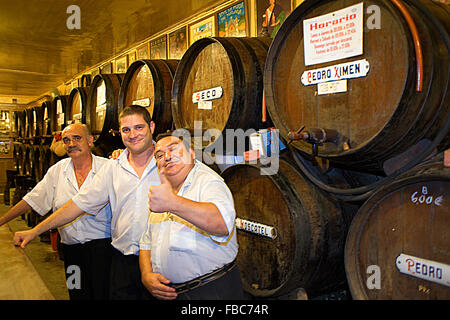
column 145, row 241
column 95, row 197
column 217, row 192
column 43, row 194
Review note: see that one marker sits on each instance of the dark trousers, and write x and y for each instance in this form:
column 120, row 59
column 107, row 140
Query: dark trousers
column 126, row 281
column 227, row 287
column 87, row 269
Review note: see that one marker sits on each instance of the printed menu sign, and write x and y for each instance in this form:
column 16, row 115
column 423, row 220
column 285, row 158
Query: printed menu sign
column 333, row 36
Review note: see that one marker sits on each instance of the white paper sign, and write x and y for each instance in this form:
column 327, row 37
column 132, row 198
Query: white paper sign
column 333, row 36
column 332, row 87
column 142, row 102
column 348, row 70
column 424, row 269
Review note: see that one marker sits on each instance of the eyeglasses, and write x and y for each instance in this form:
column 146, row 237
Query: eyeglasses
column 66, row 140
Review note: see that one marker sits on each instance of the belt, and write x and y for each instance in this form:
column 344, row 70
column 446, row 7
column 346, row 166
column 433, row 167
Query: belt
column 202, row 280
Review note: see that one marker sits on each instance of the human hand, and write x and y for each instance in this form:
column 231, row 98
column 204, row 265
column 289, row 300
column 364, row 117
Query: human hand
column 161, row 197
column 156, row 285
column 116, row 153
column 22, row 238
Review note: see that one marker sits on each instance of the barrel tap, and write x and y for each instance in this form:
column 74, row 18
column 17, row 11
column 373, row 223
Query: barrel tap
column 315, row 136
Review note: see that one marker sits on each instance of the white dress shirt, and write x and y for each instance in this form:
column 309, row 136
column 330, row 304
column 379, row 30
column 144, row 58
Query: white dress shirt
column 179, row 250
column 58, row 186
column 118, row 184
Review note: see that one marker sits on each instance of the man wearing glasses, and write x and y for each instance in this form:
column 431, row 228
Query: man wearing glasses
column 123, row 183
column 189, row 247
column 86, row 242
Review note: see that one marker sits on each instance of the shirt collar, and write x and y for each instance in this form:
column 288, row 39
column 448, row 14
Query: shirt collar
column 188, row 181
column 93, row 165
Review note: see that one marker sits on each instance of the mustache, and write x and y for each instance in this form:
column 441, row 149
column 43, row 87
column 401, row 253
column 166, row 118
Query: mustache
column 70, row 149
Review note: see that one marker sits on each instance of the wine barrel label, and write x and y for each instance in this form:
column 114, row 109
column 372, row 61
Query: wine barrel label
column 206, row 95
column 256, row 228
column 348, row 70
column 333, row 36
column 142, row 102
column 424, row 269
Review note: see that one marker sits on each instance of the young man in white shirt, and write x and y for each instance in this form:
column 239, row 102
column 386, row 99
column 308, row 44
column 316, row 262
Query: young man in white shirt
column 124, row 184
column 189, row 247
column 86, row 242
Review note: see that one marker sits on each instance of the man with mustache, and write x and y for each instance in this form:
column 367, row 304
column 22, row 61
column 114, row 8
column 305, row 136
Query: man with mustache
column 123, row 183
column 189, row 247
column 86, row 241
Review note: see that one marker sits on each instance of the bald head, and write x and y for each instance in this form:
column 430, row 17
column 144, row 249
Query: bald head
column 78, row 126
column 77, row 141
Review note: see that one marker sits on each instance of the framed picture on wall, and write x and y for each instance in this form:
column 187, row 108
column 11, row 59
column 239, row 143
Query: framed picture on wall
column 143, row 52
column 202, row 29
column 122, row 64
column 106, row 68
column 131, row 57
column 232, row 22
column 177, row 43
column 158, row 48
column 270, row 15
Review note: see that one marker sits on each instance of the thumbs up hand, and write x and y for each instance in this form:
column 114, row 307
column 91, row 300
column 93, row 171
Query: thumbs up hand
column 161, row 197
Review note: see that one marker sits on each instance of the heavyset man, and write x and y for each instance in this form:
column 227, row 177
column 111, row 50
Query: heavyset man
column 85, row 241
column 189, row 247
column 124, row 184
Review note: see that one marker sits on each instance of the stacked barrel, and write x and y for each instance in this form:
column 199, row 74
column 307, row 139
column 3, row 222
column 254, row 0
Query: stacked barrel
column 361, row 187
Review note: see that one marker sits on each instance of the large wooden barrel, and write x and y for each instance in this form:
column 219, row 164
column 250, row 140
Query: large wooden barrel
column 28, row 163
column 47, row 124
column 102, row 112
column 370, row 117
column 15, row 124
column 148, row 83
column 219, row 82
column 59, row 116
column 290, row 234
column 77, row 105
column 38, row 119
column 22, row 123
column 29, row 120
column 398, row 245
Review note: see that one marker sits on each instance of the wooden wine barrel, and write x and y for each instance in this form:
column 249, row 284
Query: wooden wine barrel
column 77, row 105
column 15, row 131
column 47, row 124
column 16, row 156
column 22, row 124
column 296, row 233
column 148, row 83
column 37, row 163
column 398, row 245
column 28, row 163
column 38, row 119
column 29, row 120
column 375, row 116
column 219, row 82
column 102, row 112
column 59, row 116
